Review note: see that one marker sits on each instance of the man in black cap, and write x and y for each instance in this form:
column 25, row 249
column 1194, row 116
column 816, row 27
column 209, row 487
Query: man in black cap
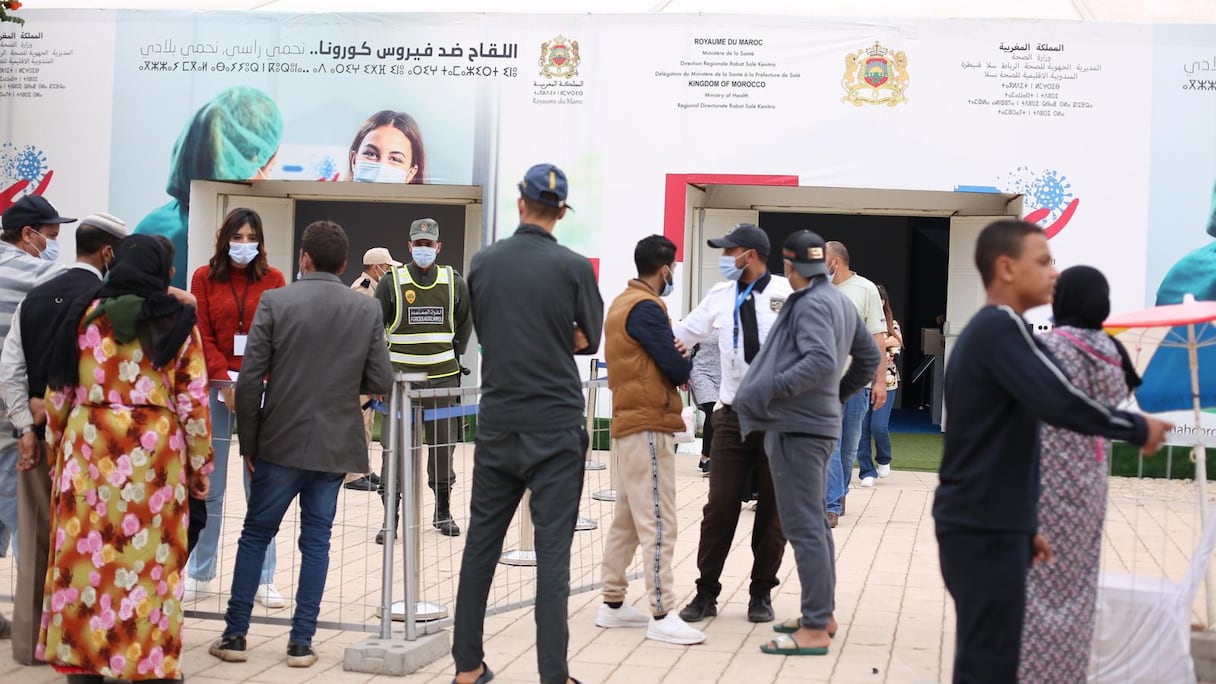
column 535, row 304
column 29, row 232
column 792, row 393
column 22, row 385
column 737, row 316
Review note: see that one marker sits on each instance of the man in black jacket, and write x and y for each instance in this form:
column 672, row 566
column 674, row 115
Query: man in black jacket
column 1000, row 387
column 535, row 304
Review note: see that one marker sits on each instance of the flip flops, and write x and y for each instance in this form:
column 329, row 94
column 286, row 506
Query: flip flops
column 791, row 625
column 786, row 646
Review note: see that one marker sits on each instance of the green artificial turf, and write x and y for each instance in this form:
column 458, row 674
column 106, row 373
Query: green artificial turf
column 916, row 451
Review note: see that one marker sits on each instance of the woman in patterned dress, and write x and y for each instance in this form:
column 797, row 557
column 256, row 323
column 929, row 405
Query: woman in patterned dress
column 1061, row 594
column 129, row 441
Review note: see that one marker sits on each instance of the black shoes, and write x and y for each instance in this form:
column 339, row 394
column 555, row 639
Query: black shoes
column 299, row 655
column 364, row 484
column 699, row 608
column 760, row 609
column 380, row 537
column 230, row 649
column 442, row 520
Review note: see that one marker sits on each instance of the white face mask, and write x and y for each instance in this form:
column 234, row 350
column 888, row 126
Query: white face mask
column 367, row 171
column 242, row 253
column 423, row 256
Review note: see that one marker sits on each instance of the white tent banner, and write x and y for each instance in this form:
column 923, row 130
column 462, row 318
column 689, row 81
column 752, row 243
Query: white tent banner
column 1068, row 114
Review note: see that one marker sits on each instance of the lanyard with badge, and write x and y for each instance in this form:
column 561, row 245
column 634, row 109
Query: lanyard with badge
column 739, row 304
column 239, row 340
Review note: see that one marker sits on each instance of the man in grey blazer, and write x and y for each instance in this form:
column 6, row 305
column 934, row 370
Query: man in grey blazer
column 303, row 431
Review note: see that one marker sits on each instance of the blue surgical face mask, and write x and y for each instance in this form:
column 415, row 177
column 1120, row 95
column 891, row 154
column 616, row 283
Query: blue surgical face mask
column 668, row 285
column 242, row 253
column 367, row 171
column 729, row 268
column 51, row 253
column 423, row 256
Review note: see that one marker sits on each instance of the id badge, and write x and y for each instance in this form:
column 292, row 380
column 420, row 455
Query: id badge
column 238, row 344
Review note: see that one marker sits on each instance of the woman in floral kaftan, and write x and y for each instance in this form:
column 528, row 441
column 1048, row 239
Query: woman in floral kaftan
column 129, row 441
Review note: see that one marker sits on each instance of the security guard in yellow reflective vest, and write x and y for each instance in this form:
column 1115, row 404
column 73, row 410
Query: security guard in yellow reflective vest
column 429, row 323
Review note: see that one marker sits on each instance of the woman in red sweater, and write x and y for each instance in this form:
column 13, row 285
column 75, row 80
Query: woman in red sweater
column 228, row 291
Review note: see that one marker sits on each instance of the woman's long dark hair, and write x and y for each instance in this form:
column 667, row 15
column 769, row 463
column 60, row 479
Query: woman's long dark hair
column 221, row 267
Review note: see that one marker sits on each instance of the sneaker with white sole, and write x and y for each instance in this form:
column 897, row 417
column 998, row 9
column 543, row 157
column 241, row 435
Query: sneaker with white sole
column 884, row 471
column 673, row 630
column 625, row 616
column 867, row 482
column 196, row 589
column 300, row 655
column 269, row 596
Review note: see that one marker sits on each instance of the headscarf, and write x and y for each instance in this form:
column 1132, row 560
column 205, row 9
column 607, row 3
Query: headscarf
column 1212, row 217
column 136, row 301
column 229, row 138
column 1082, row 300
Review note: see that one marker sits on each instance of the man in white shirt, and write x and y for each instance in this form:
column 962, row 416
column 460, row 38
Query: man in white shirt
column 739, row 313
column 864, row 295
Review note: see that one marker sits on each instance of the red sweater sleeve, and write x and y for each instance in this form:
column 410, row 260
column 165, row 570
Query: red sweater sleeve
column 203, row 288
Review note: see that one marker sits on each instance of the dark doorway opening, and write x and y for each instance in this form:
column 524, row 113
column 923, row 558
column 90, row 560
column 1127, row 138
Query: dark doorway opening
column 908, row 255
column 383, row 224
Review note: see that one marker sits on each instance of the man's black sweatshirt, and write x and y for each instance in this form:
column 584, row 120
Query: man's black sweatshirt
column 1000, row 385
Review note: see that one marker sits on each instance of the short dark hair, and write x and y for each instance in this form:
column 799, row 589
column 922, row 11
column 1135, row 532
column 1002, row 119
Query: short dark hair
column 327, row 244
column 653, row 253
column 998, row 239
column 541, row 211
column 91, row 240
column 837, row 249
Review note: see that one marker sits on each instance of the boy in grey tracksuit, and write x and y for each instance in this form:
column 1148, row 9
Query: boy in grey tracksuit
column 793, row 392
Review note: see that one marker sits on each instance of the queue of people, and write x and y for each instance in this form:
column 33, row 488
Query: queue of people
column 122, row 391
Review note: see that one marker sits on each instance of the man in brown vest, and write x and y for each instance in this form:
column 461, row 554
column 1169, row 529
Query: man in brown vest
column 644, row 368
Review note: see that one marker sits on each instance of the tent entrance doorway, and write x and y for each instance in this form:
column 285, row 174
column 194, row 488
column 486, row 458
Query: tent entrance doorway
column 920, row 245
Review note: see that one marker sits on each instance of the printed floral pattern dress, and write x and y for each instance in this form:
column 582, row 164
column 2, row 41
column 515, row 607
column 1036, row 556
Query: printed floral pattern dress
column 123, row 444
column 1061, row 595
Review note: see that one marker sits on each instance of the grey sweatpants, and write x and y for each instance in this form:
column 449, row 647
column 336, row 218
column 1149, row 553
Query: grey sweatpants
column 799, row 465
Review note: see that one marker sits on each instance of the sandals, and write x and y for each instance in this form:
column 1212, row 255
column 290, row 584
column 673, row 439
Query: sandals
column 792, row 625
column 786, row 646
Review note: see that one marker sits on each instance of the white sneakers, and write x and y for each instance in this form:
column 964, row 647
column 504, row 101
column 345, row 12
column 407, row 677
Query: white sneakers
column 670, row 629
column 196, row 589
column 867, row 482
column 884, row 471
column 269, row 596
column 625, row 616
column 673, row 630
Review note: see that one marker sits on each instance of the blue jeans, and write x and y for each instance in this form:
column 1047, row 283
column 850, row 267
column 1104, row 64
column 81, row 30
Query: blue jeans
column 876, row 424
column 840, row 463
column 9, row 453
column 274, row 487
column 202, row 560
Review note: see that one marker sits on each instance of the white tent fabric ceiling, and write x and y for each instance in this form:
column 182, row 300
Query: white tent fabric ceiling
column 1154, row 11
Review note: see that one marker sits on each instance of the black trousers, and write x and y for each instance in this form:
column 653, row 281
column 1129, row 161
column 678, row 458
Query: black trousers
column 732, row 460
column 707, row 431
column 985, row 573
column 550, row 466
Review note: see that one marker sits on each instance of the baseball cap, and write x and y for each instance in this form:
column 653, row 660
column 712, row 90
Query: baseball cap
column 108, row 223
column 807, row 251
column 744, row 235
column 31, row 210
column 424, row 228
column 545, row 183
column 379, row 255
